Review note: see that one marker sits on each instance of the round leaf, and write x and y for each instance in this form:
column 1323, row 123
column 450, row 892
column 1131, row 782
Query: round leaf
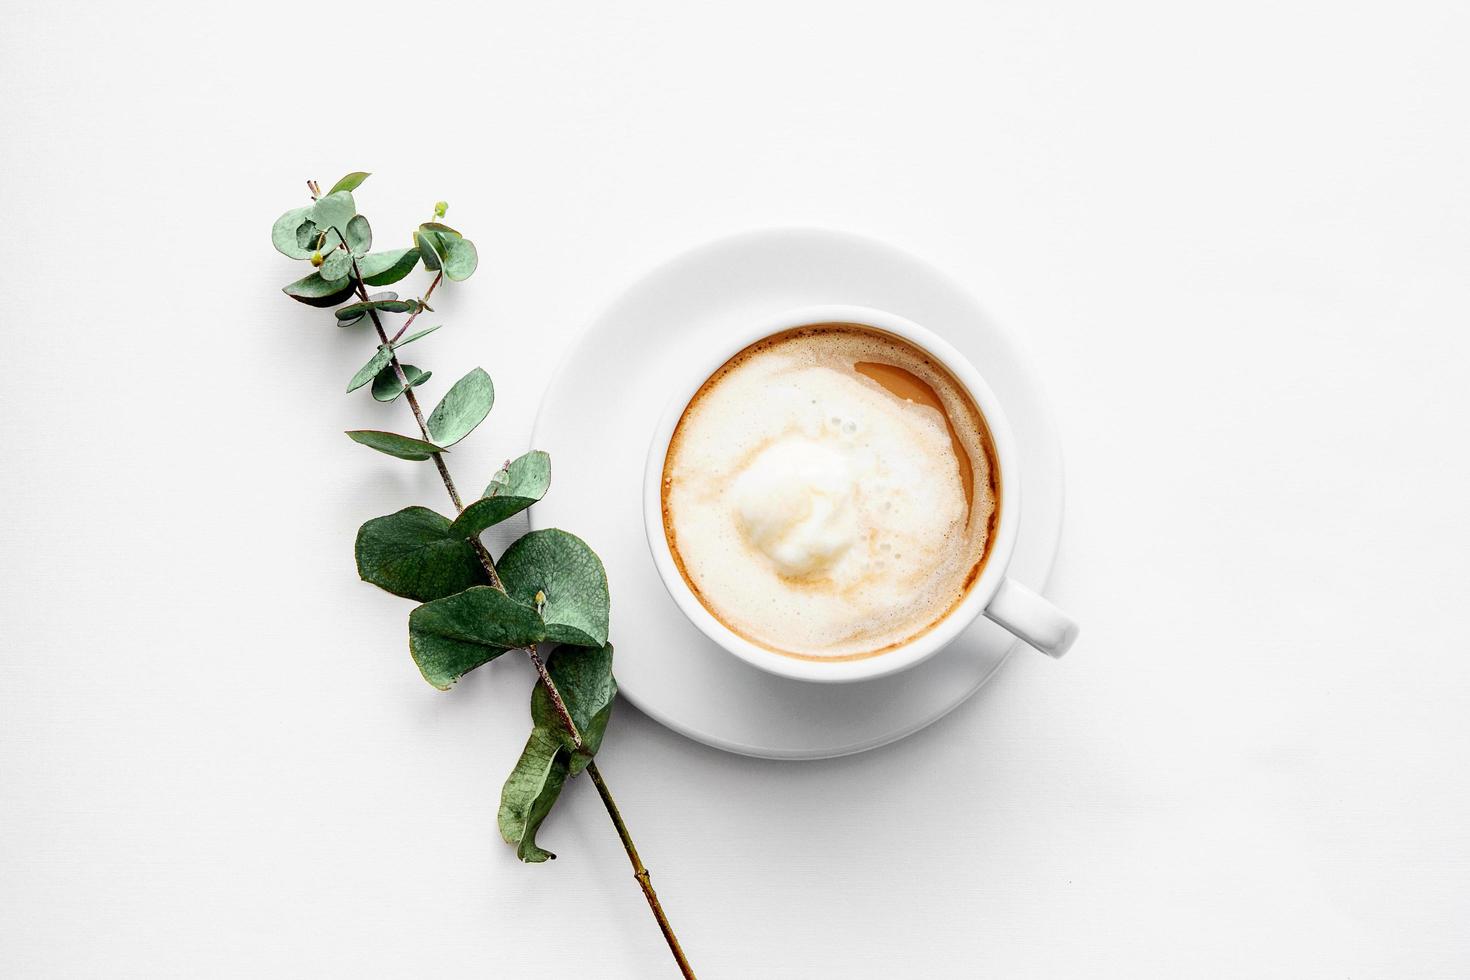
column 460, row 258
column 412, row 554
column 519, row 485
column 452, row 636
column 387, row 387
column 359, row 235
column 334, row 210
column 284, row 233
column 462, row 408
column 569, row 574
column 336, row 265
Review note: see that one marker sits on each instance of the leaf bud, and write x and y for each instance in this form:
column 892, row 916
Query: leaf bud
column 316, row 259
column 441, row 208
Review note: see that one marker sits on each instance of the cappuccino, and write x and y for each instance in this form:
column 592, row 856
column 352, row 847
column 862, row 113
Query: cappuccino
column 830, row 492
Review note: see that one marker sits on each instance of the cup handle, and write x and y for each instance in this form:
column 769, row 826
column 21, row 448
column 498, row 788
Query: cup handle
column 1032, row 618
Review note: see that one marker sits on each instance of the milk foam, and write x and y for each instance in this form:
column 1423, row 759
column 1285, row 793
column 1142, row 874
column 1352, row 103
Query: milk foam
column 816, row 512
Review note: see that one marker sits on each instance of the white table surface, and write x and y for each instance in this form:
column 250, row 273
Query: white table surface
column 1237, row 239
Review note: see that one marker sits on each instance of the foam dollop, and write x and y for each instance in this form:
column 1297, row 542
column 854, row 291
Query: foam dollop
column 817, row 512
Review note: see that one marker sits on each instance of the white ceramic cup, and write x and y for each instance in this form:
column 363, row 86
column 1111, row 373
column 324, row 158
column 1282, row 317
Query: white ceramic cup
column 998, row 597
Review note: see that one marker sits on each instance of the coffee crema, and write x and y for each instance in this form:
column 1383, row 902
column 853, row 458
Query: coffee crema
column 830, row 492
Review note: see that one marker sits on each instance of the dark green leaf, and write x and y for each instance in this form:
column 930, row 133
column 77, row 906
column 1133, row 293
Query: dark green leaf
column 361, row 312
column 516, row 487
column 452, row 636
column 429, row 249
column 359, row 235
column 569, row 575
column 460, row 258
column 462, row 408
column 334, row 210
column 335, row 265
column 387, row 387
column 385, row 268
column 584, row 679
column 531, row 792
column 285, row 233
column 370, row 370
column 394, row 444
column 412, row 554
column 316, row 291
column 356, row 311
column 415, row 336
column 349, row 183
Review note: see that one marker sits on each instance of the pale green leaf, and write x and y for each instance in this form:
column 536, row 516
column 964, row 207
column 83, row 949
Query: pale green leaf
column 334, row 210
column 335, row 265
column 462, row 408
column 516, row 486
column 394, row 444
column 460, row 259
column 530, row 792
column 569, row 575
column 415, row 336
column 359, row 235
column 285, row 233
column 370, row 370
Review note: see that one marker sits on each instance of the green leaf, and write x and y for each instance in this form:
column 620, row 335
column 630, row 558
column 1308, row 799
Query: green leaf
column 412, row 554
column 394, row 444
column 460, row 258
column 584, row 679
column 285, row 233
column 359, row 235
column 530, row 792
column 429, row 249
column 569, row 574
column 515, row 487
column 370, row 370
column 390, row 304
column 452, row 636
column 386, row 268
column 439, row 228
column 387, row 387
column 308, row 238
column 415, row 336
column 350, row 183
column 316, row 291
column 351, row 318
column 336, row 264
column 462, row 408
column 334, row 210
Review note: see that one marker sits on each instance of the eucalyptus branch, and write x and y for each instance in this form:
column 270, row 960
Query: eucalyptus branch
column 473, row 608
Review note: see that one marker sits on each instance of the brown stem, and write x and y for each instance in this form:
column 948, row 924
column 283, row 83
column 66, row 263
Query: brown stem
column 639, row 871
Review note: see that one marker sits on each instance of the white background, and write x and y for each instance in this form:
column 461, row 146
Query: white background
column 1237, row 239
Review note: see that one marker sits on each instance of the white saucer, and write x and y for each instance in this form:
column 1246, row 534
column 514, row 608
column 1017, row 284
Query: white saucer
column 598, row 416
